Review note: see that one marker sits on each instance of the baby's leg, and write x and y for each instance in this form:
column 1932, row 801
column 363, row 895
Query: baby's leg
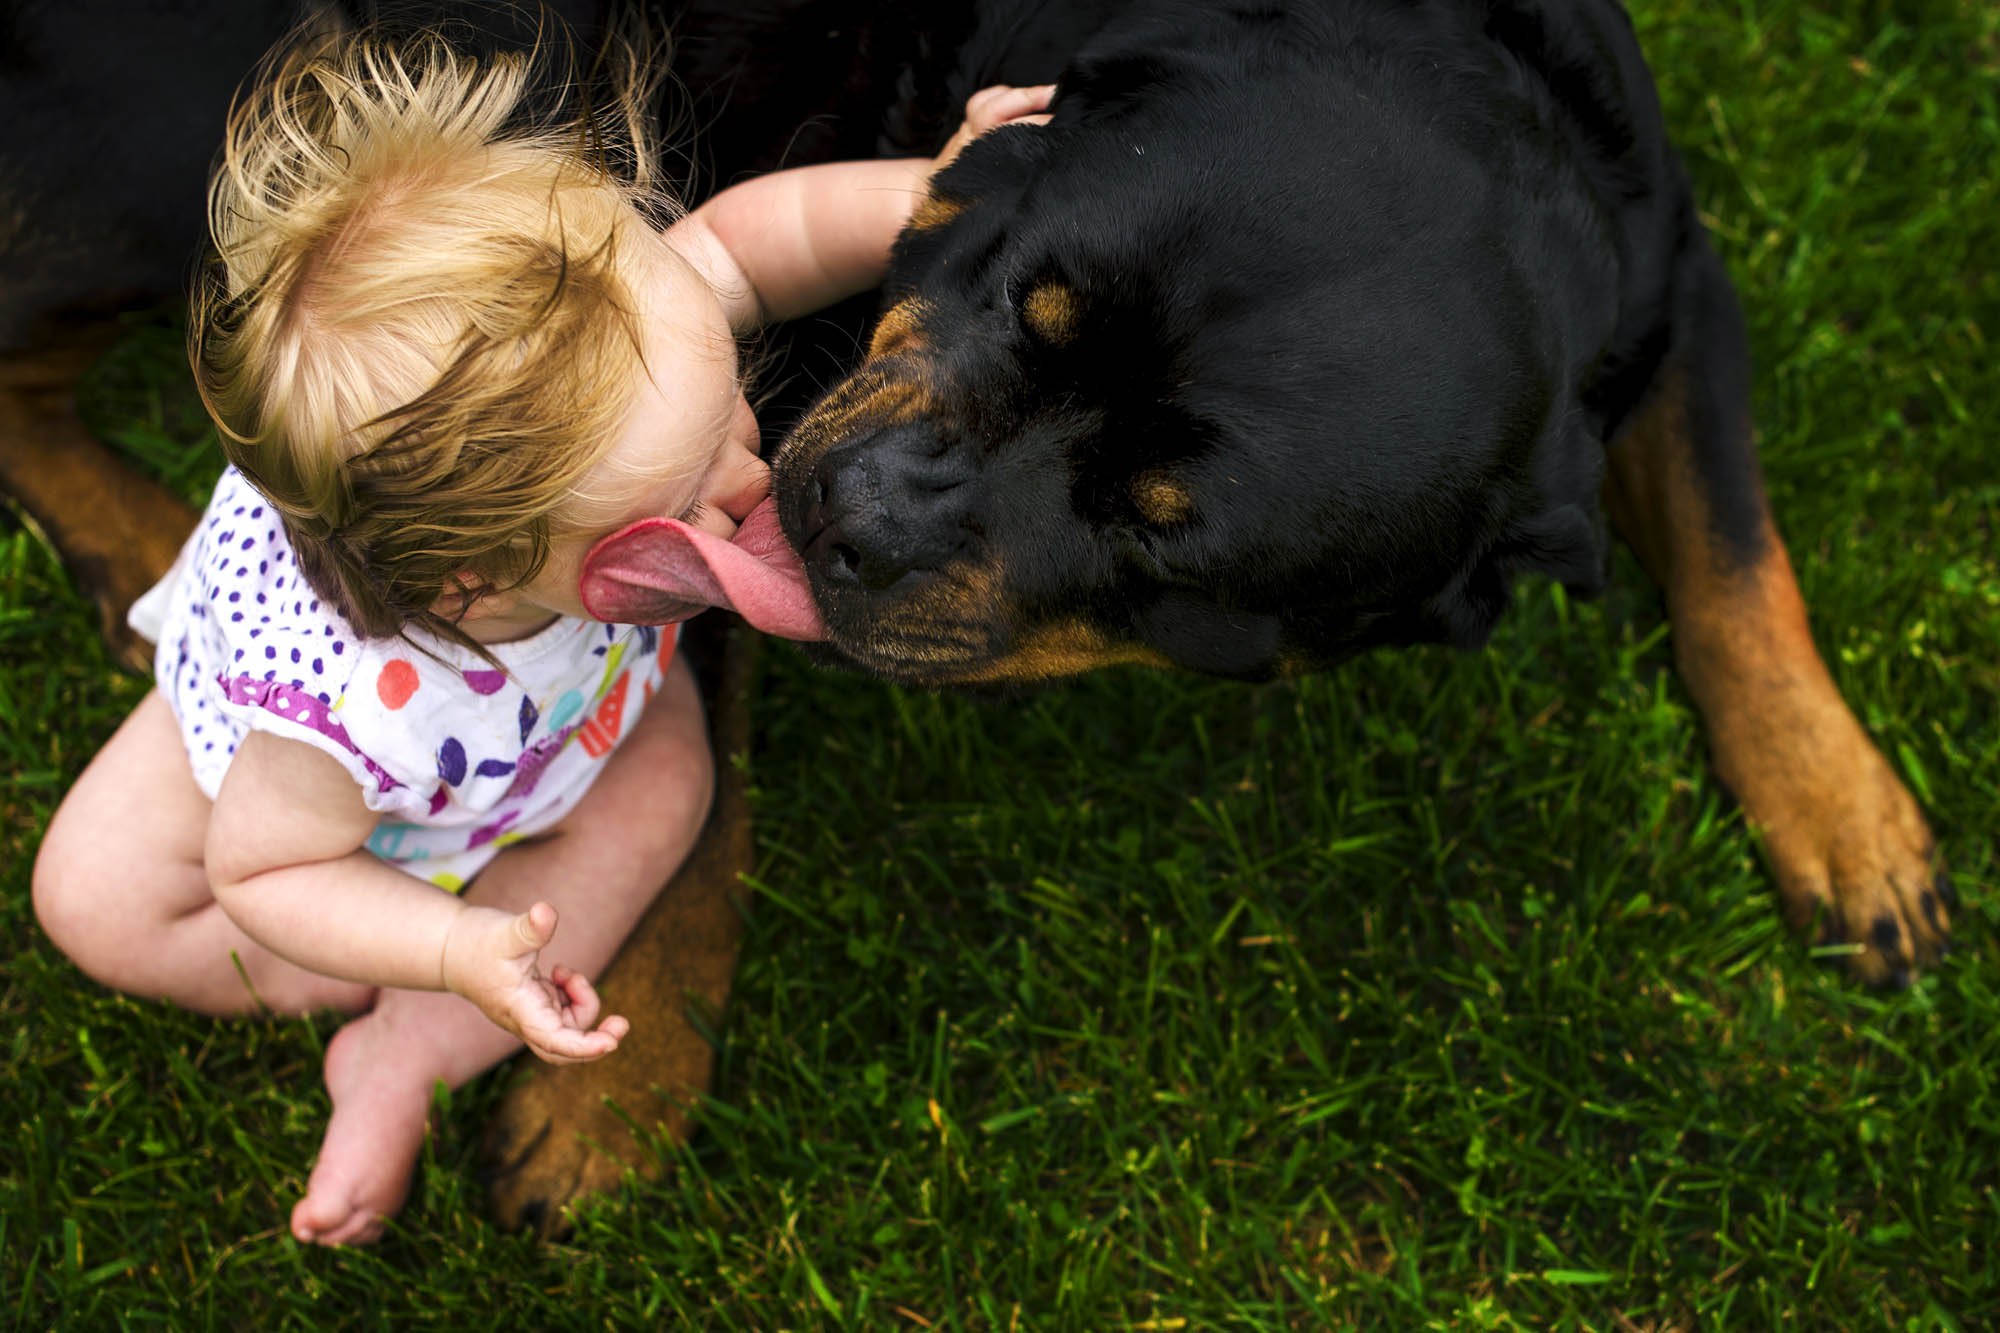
column 120, row 887
column 600, row 869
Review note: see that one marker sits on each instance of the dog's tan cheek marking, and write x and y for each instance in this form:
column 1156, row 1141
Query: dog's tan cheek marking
column 1160, row 499
column 935, row 211
column 899, row 330
column 943, row 623
column 1065, row 648
column 1053, row 312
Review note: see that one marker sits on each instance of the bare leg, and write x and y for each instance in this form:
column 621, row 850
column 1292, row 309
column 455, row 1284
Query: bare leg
column 120, row 887
column 600, row 869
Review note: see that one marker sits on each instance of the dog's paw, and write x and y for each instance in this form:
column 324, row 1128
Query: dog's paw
column 562, row 1134
column 1855, row 862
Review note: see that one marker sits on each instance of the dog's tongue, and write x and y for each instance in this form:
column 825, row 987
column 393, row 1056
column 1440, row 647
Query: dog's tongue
column 659, row 571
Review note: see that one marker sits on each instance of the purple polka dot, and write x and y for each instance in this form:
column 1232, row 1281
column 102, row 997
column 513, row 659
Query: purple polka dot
column 494, row 768
column 239, row 654
column 338, row 646
column 235, row 596
column 249, row 542
column 318, row 668
column 235, row 616
column 255, row 632
column 295, row 654
column 269, row 653
column 263, row 566
column 258, row 512
column 241, row 570
column 451, row 761
column 485, row 682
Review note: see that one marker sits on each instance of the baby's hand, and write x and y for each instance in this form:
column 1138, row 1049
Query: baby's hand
column 490, row 959
column 990, row 108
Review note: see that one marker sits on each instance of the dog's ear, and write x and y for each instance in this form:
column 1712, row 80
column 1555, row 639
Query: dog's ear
column 1102, row 85
column 1553, row 526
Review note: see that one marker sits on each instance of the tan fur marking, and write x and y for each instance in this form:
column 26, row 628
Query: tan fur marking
column 118, row 531
column 1054, row 312
column 899, row 330
column 1160, row 498
column 1842, row 835
column 935, row 211
column 894, row 401
column 1066, row 648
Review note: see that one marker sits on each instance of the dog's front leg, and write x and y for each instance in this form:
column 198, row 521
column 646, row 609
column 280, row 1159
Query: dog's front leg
column 116, row 530
column 561, row 1132
column 1846, row 843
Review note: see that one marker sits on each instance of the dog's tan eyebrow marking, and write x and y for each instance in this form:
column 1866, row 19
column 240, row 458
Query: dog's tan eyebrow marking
column 1160, row 498
column 899, row 329
column 935, row 211
column 1053, row 312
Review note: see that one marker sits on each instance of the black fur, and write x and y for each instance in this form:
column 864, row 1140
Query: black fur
column 1373, row 282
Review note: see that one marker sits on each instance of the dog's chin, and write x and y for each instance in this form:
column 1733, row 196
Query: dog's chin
column 899, row 664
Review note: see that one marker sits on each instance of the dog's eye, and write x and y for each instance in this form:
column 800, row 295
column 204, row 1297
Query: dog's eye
column 1140, row 548
column 1010, row 297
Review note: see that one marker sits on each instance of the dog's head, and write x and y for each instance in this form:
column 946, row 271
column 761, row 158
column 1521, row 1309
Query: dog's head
column 1236, row 365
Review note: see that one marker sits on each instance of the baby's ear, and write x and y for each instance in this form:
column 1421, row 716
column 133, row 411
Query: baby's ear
column 471, row 598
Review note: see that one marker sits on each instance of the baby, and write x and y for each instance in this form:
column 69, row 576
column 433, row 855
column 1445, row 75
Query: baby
column 391, row 748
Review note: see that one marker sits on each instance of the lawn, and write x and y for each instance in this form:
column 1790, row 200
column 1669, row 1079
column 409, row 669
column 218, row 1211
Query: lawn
column 1437, row 992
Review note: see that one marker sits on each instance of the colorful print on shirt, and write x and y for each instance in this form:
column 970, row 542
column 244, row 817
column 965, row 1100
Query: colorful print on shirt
column 458, row 758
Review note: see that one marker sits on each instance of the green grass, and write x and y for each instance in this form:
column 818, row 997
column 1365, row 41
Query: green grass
column 1437, row 992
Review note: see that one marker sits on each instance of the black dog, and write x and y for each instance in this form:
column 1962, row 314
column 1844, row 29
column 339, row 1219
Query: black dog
column 1304, row 328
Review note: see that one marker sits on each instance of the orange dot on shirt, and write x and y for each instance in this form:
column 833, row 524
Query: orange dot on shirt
column 397, row 683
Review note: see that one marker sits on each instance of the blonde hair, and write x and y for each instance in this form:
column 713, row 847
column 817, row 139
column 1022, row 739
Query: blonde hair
column 419, row 327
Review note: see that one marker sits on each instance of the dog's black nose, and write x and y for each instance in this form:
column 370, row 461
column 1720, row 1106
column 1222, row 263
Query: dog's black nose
column 885, row 507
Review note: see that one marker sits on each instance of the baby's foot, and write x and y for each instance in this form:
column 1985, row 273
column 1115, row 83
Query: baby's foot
column 381, row 1093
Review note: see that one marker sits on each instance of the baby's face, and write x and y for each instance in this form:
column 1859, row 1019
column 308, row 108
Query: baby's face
column 688, row 449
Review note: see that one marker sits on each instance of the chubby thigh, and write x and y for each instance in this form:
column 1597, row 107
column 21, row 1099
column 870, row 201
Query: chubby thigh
column 121, row 887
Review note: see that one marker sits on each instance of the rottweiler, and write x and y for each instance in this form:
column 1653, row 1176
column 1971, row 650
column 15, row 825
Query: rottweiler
column 1307, row 327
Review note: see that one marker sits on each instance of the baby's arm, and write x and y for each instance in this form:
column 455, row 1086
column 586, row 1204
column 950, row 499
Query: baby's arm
column 287, row 861
column 795, row 241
